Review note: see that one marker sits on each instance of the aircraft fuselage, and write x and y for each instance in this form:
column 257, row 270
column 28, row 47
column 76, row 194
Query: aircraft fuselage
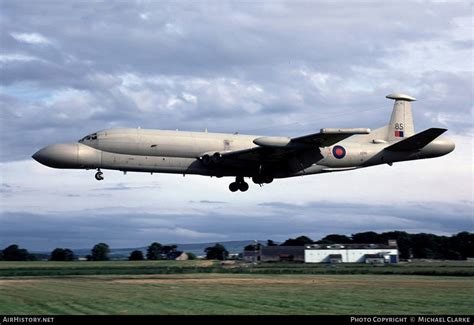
column 179, row 152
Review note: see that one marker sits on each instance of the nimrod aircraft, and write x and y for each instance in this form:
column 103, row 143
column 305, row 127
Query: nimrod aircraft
column 261, row 158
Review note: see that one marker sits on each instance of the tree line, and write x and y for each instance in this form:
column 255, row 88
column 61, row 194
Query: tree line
column 422, row 245
column 456, row 247
column 100, row 252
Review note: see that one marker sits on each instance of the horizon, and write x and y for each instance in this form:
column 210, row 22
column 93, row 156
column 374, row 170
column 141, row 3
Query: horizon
column 220, row 242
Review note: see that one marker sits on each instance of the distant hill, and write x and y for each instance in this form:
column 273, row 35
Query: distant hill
column 234, row 247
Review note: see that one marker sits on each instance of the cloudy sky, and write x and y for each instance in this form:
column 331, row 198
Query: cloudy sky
column 268, row 67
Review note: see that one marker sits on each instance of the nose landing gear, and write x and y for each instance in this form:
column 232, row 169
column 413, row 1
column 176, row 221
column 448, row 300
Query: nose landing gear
column 98, row 175
column 239, row 184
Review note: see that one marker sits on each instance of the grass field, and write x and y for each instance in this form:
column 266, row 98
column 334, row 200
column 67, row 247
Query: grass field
column 48, row 268
column 141, row 292
column 237, row 294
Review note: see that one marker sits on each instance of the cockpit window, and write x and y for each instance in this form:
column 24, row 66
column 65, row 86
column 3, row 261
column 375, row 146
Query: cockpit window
column 89, row 137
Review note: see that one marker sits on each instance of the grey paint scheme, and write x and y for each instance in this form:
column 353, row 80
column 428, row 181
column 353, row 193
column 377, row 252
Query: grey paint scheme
column 143, row 150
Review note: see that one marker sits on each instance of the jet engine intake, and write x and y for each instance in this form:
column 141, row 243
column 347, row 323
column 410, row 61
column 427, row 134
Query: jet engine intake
column 216, row 158
column 206, row 160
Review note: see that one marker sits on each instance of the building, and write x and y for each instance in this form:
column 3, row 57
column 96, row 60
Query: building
column 282, row 253
column 177, row 256
column 275, row 254
column 351, row 253
column 251, row 256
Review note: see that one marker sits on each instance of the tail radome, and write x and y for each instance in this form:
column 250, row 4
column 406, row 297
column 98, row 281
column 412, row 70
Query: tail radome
column 417, row 141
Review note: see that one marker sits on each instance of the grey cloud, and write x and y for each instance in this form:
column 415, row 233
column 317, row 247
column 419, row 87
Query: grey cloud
column 316, row 219
column 244, row 33
column 9, row 190
column 463, row 45
column 208, row 202
column 5, row 189
column 38, row 232
column 125, row 187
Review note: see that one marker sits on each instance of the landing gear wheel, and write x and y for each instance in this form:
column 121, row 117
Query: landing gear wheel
column 98, row 176
column 243, row 186
column 262, row 179
column 239, row 185
column 234, row 187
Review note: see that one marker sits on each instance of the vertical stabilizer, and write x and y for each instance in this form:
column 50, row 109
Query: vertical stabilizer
column 401, row 123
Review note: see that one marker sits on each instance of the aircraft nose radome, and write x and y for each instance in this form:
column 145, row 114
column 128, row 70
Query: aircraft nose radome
column 37, row 156
column 40, row 156
column 57, row 156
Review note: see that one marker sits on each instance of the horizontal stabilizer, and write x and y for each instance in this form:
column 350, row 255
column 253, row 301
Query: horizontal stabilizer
column 417, row 141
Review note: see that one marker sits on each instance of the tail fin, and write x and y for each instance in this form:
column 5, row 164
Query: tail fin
column 401, row 123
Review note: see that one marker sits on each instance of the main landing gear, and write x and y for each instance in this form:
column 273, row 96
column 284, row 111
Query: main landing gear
column 98, row 175
column 239, row 184
column 262, row 179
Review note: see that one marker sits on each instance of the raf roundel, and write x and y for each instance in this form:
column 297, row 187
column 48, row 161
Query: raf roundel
column 339, row 152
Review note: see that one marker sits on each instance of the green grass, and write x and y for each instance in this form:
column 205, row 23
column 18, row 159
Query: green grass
column 48, row 268
column 237, row 294
column 436, row 268
column 442, row 268
column 100, row 264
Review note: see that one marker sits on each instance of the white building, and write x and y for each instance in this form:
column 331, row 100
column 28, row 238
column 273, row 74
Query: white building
column 351, row 253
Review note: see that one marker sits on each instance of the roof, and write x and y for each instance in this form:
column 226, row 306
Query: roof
column 173, row 255
column 349, row 246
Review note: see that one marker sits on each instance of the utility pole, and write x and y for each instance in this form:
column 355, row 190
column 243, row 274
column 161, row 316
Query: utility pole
column 255, row 246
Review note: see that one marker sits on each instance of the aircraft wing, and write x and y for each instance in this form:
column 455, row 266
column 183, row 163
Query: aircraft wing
column 277, row 148
column 257, row 154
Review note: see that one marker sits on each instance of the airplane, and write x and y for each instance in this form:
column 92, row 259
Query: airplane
column 261, row 158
